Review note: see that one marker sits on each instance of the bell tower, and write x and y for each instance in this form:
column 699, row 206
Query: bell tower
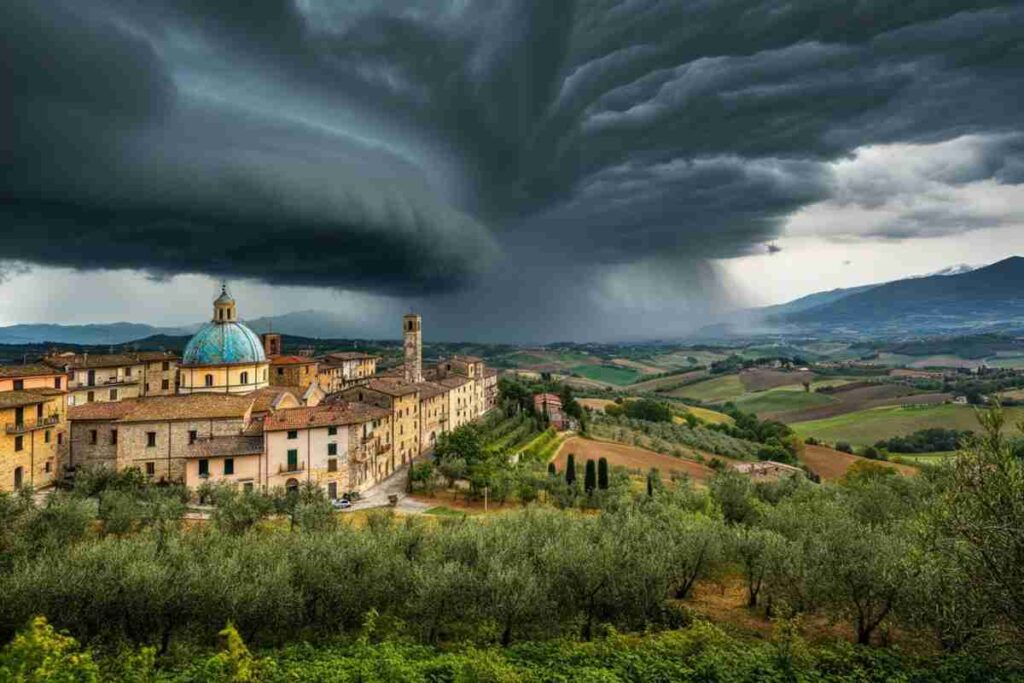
column 413, row 337
column 224, row 307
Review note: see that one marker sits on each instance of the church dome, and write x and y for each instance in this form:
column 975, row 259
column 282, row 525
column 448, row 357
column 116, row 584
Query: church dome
column 223, row 340
column 222, row 343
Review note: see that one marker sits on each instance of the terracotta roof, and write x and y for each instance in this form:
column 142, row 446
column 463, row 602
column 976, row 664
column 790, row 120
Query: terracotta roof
column 391, row 387
column 165, row 408
column 112, row 410
column 153, row 356
column 189, row 407
column 292, row 360
column 468, row 359
column 324, row 415
column 220, row 446
column 25, row 397
column 454, row 381
column 30, row 370
column 254, row 428
column 267, row 398
column 490, row 372
column 348, row 355
column 92, row 360
column 430, row 389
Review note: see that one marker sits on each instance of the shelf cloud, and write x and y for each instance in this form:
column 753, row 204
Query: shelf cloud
column 411, row 148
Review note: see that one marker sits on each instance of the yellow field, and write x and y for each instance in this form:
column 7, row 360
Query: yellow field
column 709, row 416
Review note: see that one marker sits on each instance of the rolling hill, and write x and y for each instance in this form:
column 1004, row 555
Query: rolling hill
column 987, row 295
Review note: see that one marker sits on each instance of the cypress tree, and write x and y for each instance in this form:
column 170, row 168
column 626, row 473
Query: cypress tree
column 570, row 470
column 590, row 477
column 602, row 474
column 552, row 469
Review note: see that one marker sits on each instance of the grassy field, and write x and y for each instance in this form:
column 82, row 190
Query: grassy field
column 924, row 458
column 865, row 427
column 716, row 389
column 607, row 373
column 637, row 460
column 710, row 416
column 832, row 464
column 781, row 400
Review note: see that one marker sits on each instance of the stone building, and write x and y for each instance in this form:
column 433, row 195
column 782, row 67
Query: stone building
column 157, row 435
column 340, row 370
column 31, row 376
column 340, row 446
column 433, row 413
column 402, row 400
column 293, row 371
column 412, row 333
column 224, row 356
column 116, row 376
column 32, row 438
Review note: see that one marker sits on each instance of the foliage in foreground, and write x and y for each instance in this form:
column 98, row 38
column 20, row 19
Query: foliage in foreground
column 699, row 652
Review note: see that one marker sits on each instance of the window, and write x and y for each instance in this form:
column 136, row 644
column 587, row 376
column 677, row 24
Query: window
column 165, row 366
column 19, row 443
column 247, row 487
column 150, row 469
column 19, row 384
column 229, row 466
column 60, row 438
column 48, row 467
column 92, row 436
column 204, row 467
column 90, row 397
column 332, row 490
column 332, row 431
column 192, row 436
column 128, row 371
column 113, row 437
column 39, row 410
column 293, row 460
column 46, row 436
column 280, row 372
column 244, row 378
column 332, row 449
column 293, row 434
column 165, row 384
column 56, row 382
column 332, row 464
column 150, row 439
column 113, row 394
column 208, row 380
column 18, row 476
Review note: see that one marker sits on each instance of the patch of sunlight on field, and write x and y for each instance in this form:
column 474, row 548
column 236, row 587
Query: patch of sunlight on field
column 865, row 427
column 715, row 389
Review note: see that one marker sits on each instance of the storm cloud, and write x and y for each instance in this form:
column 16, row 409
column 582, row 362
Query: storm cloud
column 429, row 149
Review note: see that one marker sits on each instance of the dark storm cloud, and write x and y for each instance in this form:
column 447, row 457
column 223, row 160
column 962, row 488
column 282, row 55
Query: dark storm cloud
column 384, row 145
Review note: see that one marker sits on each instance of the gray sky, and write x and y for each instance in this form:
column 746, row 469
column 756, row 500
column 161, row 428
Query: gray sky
column 515, row 169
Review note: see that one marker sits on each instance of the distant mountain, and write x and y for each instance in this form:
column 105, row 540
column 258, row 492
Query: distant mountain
column 977, row 299
column 94, row 334
column 312, row 324
column 815, row 300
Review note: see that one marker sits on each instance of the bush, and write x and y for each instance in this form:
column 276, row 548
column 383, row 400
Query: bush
column 844, row 447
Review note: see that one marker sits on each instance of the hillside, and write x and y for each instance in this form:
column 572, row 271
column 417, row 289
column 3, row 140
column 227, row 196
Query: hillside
column 988, row 297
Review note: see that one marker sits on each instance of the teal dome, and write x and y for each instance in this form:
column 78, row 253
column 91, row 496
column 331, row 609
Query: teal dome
column 222, row 343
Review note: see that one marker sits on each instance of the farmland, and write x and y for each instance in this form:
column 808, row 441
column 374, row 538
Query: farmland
column 830, row 464
column 721, row 388
column 781, row 401
column 609, row 374
column 638, row 460
column 866, row 427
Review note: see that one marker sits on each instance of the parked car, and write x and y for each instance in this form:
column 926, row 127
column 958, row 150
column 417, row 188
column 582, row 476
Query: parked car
column 341, row 503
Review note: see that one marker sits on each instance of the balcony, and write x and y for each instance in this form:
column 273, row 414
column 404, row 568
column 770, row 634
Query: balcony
column 30, row 426
column 291, row 469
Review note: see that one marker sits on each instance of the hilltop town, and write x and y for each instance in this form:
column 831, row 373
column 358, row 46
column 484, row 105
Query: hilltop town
column 235, row 409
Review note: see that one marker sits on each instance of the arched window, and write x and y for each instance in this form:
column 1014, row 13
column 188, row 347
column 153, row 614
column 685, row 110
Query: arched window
column 245, row 378
column 209, row 380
